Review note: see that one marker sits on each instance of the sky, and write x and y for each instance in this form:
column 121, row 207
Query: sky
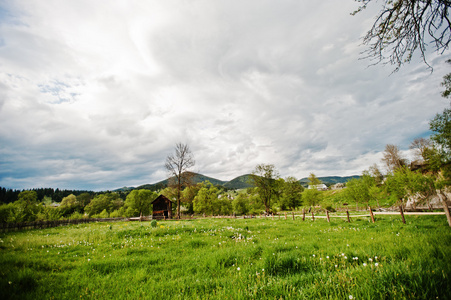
column 94, row 95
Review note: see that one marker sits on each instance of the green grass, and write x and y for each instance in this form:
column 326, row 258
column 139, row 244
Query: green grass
column 231, row 259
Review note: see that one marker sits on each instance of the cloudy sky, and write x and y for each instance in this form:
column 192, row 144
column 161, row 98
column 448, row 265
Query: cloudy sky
column 95, row 94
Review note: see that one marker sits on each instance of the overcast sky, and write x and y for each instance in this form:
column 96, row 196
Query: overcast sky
column 95, row 94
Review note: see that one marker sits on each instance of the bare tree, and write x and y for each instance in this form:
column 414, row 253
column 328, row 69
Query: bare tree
column 177, row 165
column 420, row 146
column 392, row 158
column 405, row 26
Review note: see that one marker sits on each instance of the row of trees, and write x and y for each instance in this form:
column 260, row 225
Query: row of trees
column 28, row 208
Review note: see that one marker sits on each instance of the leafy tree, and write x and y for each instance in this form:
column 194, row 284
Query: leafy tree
column 107, row 201
column 240, row 204
column 178, row 165
column 291, row 193
column 447, row 83
column 441, row 126
column 206, row 199
column 188, row 195
column 69, row 205
column 362, row 189
column 26, row 207
column 138, row 202
column 311, row 197
column 397, row 185
column 84, row 199
column 406, row 26
column 264, row 179
column 313, row 180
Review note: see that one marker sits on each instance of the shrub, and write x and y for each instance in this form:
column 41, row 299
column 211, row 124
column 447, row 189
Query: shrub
column 153, row 223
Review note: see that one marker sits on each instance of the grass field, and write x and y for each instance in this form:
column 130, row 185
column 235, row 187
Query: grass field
column 231, row 259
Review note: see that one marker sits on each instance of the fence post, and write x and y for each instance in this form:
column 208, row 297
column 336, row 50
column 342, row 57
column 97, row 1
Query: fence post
column 327, row 214
column 371, row 213
column 285, row 215
column 313, row 216
column 347, row 214
column 303, row 214
column 293, row 214
column 402, row 214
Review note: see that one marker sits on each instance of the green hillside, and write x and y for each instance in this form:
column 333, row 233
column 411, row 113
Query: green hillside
column 240, row 182
column 330, row 180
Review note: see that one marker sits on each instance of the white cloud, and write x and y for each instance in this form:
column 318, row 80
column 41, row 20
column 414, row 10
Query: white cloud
column 96, row 94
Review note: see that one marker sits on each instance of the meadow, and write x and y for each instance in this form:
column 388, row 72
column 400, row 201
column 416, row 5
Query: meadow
column 231, row 259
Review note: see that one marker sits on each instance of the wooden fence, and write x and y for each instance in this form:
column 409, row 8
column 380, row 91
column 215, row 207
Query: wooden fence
column 5, row 227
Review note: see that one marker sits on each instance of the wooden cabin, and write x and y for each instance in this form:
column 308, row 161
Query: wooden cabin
column 162, row 208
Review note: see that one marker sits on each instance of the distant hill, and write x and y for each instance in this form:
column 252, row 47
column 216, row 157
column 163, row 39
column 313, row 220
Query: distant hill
column 240, row 182
column 330, row 180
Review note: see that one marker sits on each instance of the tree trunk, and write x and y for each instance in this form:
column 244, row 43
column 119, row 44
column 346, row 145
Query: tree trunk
column 371, row 213
column 402, row 214
column 445, row 206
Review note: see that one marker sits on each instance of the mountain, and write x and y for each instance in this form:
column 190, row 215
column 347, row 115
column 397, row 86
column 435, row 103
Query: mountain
column 330, row 180
column 197, row 178
column 241, row 182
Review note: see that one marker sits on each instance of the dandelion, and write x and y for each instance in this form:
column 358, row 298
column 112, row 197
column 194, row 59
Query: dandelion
column 376, row 264
column 238, row 269
column 370, row 259
column 89, row 259
column 313, row 255
column 327, row 257
column 364, row 264
column 351, row 297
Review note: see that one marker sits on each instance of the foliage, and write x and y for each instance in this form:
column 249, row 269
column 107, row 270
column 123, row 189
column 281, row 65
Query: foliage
column 291, row 196
column 139, row 202
column 447, row 83
column 313, row 180
column 240, row 204
column 406, row 26
column 107, row 201
column 441, row 126
column 312, row 196
column 206, row 199
column 264, row 179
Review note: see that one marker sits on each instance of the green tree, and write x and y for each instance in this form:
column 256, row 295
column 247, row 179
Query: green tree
column 69, row 205
column 291, row 193
column 447, row 83
column 313, row 180
column 240, row 204
column 84, row 199
column 26, row 207
column 312, row 196
column 206, row 199
column 138, row 202
column 178, row 165
column 188, row 195
column 441, row 126
column 107, row 201
column 264, row 179
column 404, row 27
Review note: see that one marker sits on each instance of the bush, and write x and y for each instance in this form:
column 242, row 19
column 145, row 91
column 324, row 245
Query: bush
column 153, row 223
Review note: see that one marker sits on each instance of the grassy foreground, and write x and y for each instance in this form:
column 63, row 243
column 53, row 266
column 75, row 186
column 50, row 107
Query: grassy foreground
column 231, row 259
